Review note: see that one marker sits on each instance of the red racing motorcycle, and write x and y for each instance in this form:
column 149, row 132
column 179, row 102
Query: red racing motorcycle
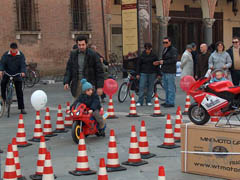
column 213, row 99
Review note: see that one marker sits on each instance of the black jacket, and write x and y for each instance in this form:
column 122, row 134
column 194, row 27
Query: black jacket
column 92, row 70
column 91, row 102
column 169, row 60
column 145, row 64
column 230, row 52
column 13, row 64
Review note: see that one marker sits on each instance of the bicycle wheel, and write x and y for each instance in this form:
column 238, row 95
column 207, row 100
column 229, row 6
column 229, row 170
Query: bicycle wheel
column 123, row 92
column 37, row 76
column 9, row 99
column 30, row 79
column 158, row 88
column 2, row 107
column 112, row 71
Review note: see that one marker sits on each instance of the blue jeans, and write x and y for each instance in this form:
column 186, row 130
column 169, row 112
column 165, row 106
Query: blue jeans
column 169, row 87
column 146, row 82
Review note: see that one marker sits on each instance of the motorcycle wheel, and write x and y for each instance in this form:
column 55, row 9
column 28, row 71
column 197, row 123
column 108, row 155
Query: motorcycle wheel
column 198, row 115
column 76, row 131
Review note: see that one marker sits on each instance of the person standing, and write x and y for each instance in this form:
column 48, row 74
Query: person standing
column 13, row 62
column 220, row 59
column 168, row 68
column 187, row 62
column 83, row 63
column 234, row 52
column 202, row 64
column 194, row 57
column 147, row 72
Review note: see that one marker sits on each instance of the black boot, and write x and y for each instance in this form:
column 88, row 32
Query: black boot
column 23, row 111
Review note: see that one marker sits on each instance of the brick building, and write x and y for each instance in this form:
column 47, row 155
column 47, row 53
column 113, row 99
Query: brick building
column 45, row 29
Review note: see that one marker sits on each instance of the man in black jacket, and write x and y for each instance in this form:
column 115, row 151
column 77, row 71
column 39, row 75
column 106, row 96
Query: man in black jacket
column 234, row 52
column 13, row 62
column 168, row 67
column 83, row 63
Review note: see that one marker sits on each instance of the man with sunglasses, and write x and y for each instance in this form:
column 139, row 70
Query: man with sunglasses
column 234, row 52
column 168, row 68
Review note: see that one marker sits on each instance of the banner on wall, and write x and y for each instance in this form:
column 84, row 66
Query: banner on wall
column 130, row 29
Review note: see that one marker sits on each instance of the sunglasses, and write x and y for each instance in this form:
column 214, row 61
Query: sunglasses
column 235, row 42
column 165, row 42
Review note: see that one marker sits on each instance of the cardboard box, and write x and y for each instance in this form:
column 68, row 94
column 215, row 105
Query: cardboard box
column 212, row 151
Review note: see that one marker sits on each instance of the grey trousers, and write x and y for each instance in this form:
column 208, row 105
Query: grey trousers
column 99, row 118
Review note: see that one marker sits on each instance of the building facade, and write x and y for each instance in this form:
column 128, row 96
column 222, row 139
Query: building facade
column 185, row 21
column 45, row 30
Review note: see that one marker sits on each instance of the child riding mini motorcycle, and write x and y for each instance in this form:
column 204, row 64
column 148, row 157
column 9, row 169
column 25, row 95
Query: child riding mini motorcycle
column 85, row 112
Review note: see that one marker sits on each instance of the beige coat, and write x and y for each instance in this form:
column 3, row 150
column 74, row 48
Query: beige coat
column 187, row 64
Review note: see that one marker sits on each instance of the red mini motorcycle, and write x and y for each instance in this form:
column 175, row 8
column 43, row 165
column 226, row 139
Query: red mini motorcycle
column 83, row 122
column 213, row 99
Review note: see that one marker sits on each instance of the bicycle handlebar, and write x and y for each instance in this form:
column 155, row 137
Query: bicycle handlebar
column 18, row 74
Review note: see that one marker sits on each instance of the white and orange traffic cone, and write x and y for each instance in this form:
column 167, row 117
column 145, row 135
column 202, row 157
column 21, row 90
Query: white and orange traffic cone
column 133, row 109
column 161, row 173
column 10, row 167
column 68, row 120
column 48, row 169
column 180, row 112
column 157, row 111
column 41, row 159
column 143, row 143
column 16, row 160
column 102, row 172
column 47, row 128
column 60, row 128
column 214, row 119
column 168, row 136
column 187, row 105
column 82, row 159
column 112, row 156
column 110, row 110
column 134, row 158
column 21, row 134
column 38, row 129
column 177, row 129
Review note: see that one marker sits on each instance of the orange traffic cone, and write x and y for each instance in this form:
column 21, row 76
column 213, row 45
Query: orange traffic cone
column 82, row 159
column 47, row 128
column 60, row 123
column 110, row 109
column 16, row 160
column 161, row 173
column 134, row 158
column 38, row 129
column 187, row 105
column 180, row 112
column 102, row 173
column 214, row 119
column 21, row 134
column 68, row 120
column 168, row 136
column 48, row 169
column 133, row 110
column 10, row 167
column 143, row 143
column 112, row 156
column 157, row 111
column 177, row 129
column 41, row 159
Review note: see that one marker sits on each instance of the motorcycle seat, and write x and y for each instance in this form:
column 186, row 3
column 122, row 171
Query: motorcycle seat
column 221, row 86
column 234, row 90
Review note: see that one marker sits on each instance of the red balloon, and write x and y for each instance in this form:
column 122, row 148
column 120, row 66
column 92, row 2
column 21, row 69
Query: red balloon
column 186, row 82
column 110, row 87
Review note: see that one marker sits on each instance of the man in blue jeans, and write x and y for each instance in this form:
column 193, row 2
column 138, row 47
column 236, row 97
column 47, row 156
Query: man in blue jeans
column 168, row 67
column 147, row 72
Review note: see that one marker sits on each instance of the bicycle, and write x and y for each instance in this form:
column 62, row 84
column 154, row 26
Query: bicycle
column 32, row 75
column 10, row 88
column 131, row 85
column 114, row 67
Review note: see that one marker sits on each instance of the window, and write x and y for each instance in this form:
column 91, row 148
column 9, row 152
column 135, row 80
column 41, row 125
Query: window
column 79, row 11
column 26, row 15
column 236, row 31
column 117, row 2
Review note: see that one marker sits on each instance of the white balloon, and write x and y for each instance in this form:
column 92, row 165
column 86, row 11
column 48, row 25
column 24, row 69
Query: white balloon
column 38, row 99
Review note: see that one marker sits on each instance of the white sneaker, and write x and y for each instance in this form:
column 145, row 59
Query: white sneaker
column 149, row 104
column 138, row 104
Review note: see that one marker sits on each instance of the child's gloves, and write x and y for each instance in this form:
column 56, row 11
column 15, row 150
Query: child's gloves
column 90, row 111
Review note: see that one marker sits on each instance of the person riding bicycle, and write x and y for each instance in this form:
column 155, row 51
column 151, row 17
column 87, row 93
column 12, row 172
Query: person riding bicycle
column 91, row 100
column 13, row 62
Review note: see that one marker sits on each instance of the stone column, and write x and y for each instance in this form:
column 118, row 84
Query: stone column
column 163, row 24
column 208, row 23
column 108, row 18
